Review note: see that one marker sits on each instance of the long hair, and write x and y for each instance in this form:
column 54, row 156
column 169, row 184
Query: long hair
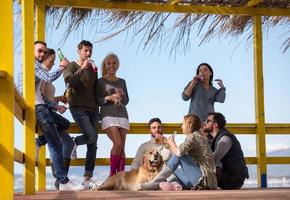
column 192, row 123
column 104, row 63
column 210, row 69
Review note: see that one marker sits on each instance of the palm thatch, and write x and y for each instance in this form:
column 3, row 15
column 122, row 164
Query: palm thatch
column 167, row 28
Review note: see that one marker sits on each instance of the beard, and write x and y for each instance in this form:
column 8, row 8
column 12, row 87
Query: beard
column 207, row 130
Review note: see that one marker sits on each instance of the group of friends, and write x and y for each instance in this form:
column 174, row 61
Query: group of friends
column 210, row 156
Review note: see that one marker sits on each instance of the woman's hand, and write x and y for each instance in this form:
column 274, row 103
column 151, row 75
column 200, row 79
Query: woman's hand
column 219, row 82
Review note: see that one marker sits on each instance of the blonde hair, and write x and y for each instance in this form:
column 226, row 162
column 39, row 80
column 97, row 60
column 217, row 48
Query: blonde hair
column 109, row 56
column 192, row 123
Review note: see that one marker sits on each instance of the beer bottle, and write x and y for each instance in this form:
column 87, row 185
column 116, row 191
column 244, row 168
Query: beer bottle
column 60, row 54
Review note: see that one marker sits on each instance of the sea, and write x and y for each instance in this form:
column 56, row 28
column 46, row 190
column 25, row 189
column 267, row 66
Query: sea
column 102, row 172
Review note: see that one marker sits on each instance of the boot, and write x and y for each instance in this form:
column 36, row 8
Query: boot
column 114, row 163
column 122, row 163
column 160, row 177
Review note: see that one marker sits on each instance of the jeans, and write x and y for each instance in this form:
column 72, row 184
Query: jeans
column 47, row 125
column 62, row 124
column 88, row 122
column 188, row 173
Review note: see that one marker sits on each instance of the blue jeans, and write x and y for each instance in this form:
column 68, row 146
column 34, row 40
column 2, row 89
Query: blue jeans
column 189, row 172
column 62, row 124
column 88, row 122
column 47, row 125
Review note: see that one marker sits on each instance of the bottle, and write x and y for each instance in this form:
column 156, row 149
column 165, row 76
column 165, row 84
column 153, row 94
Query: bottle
column 60, row 54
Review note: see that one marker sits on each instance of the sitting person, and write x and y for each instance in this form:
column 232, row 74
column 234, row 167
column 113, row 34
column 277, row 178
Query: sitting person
column 231, row 169
column 155, row 126
column 195, row 158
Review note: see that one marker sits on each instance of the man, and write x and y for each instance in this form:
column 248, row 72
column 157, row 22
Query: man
column 81, row 79
column 231, row 169
column 155, row 143
column 44, row 118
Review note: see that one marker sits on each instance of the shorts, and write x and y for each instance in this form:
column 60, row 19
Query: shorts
column 115, row 121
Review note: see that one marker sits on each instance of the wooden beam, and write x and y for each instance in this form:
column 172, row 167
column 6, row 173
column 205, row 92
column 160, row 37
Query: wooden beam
column 259, row 102
column 40, row 35
column 254, row 2
column 27, row 11
column 6, row 100
column 158, row 7
column 173, row 2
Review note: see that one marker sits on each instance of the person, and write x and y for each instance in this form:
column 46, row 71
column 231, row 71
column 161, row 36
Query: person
column 81, row 79
column 191, row 162
column 113, row 98
column 155, row 143
column 202, row 93
column 44, row 117
column 229, row 159
column 62, row 124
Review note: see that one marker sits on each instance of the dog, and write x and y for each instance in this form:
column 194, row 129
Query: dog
column 152, row 163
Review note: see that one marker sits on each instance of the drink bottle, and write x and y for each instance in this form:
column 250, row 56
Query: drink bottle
column 60, row 54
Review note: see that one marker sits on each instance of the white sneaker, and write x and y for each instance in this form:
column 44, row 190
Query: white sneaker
column 73, row 155
column 89, row 185
column 69, row 186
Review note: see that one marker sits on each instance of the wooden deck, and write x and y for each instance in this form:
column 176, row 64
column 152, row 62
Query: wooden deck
column 265, row 194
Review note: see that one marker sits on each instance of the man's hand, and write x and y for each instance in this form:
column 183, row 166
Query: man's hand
column 63, row 64
column 61, row 108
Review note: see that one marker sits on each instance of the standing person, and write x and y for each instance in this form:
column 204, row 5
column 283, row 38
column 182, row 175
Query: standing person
column 202, row 93
column 62, row 124
column 81, row 78
column 155, row 143
column 44, row 116
column 113, row 98
column 193, row 156
column 231, row 169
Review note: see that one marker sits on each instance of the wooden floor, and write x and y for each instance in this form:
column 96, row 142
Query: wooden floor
column 263, row 194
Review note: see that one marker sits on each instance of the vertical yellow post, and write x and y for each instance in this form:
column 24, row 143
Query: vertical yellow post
column 40, row 35
column 29, row 94
column 259, row 102
column 6, row 101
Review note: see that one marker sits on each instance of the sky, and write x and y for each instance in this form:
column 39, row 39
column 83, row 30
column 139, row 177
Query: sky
column 155, row 81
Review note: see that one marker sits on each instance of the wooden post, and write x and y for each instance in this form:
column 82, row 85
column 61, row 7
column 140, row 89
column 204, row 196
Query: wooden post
column 27, row 7
column 259, row 102
column 6, row 101
column 41, row 168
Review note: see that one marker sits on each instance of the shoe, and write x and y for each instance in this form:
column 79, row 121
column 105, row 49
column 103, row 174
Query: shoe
column 73, row 155
column 69, row 186
column 89, row 185
column 170, row 186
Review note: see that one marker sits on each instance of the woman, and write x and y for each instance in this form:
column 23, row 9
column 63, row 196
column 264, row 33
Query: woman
column 194, row 157
column 202, row 93
column 113, row 98
column 62, row 124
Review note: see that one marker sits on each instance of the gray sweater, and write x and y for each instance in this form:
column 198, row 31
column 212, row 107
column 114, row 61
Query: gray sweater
column 106, row 88
column 202, row 100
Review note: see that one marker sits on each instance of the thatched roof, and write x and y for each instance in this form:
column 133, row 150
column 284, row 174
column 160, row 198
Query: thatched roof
column 168, row 28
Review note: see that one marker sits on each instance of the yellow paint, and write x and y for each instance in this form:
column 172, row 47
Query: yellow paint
column 259, row 98
column 40, row 35
column 158, row 7
column 6, row 101
column 27, row 7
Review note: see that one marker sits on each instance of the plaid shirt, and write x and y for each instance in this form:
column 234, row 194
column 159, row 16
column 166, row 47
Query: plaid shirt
column 40, row 75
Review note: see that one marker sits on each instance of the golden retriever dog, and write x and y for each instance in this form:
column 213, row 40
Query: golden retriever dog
column 151, row 165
